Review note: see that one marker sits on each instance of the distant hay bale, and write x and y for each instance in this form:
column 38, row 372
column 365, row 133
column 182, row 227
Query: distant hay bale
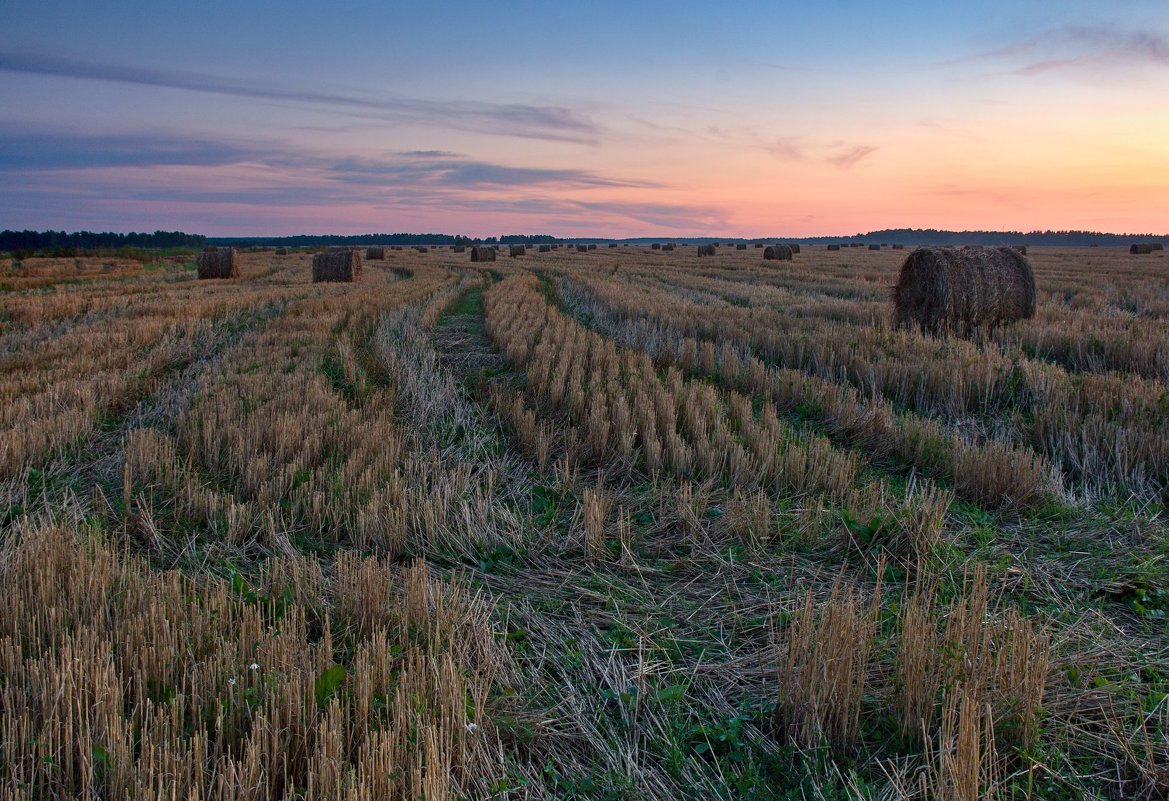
column 516, row 250
column 857, row 245
column 1156, row 246
column 281, row 251
column 422, row 249
column 740, row 246
column 656, row 246
column 834, row 247
column 707, row 250
column 482, row 253
column 795, row 248
column 758, row 244
column 668, row 246
column 902, row 247
column 216, row 263
column 337, row 265
column 874, row 247
column 582, row 248
column 592, row 247
column 544, row 249
column 961, row 289
column 777, row 253
column 716, row 244
column 612, row 245
column 375, row 254
column 1140, row 248
column 459, row 249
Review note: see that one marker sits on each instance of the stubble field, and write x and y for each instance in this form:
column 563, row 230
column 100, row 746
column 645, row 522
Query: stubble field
column 616, row 524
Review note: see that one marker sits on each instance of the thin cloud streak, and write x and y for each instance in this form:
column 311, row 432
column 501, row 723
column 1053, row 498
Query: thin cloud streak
column 851, row 157
column 554, row 123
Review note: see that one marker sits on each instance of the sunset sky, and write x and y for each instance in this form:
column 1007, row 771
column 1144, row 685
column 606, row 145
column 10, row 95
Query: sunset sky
column 606, row 119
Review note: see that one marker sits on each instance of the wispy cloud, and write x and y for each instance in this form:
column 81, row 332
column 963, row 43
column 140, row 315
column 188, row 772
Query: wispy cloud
column 1076, row 47
column 787, row 148
column 554, row 123
column 851, row 157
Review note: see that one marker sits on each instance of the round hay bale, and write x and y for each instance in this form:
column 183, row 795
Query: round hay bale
column 375, row 254
column 777, row 253
column 281, row 251
column 582, row 248
column 612, row 245
column 740, row 246
column 216, row 263
column 337, row 266
column 898, row 247
column 668, row 246
column 516, row 250
column 707, row 250
column 1156, row 246
column 459, row 249
column 482, row 253
column 795, row 248
column 874, row 247
column 834, row 247
column 1140, row 249
column 958, row 290
column 544, row 249
column 656, row 246
column 758, row 244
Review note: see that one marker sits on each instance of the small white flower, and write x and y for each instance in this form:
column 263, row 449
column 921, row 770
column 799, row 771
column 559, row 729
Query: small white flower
column 471, row 727
column 254, row 666
column 231, row 681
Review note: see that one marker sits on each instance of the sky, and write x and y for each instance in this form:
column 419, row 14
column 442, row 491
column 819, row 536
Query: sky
column 587, row 119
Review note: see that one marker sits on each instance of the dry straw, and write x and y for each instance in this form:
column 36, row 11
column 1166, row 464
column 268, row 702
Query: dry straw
column 958, row 290
column 337, row 265
column 216, row 263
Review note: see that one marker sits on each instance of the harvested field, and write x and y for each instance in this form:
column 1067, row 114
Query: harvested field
column 636, row 525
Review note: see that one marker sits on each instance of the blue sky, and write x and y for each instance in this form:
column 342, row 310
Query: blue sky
column 610, row 118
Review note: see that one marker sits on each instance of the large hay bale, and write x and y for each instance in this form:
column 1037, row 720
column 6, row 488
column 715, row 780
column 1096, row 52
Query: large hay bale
column 375, row 254
column 582, row 248
column 874, row 247
column 612, row 245
column 707, row 250
column 281, row 251
column 216, row 263
column 668, row 246
column 758, row 244
column 1141, row 248
column 777, row 253
column 902, row 247
column 482, row 253
column 544, row 249
column 516, row 250
column 656, row 246
column 337, row 265
column 795, row 248
column 834, row 247
column 422, row 248
column 740, row 246
column 459, row 249
column 960, row 289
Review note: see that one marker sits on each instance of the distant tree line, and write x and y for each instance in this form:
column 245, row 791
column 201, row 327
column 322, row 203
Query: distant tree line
column 933, row 236
column 82, row 243
column 335, row 240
